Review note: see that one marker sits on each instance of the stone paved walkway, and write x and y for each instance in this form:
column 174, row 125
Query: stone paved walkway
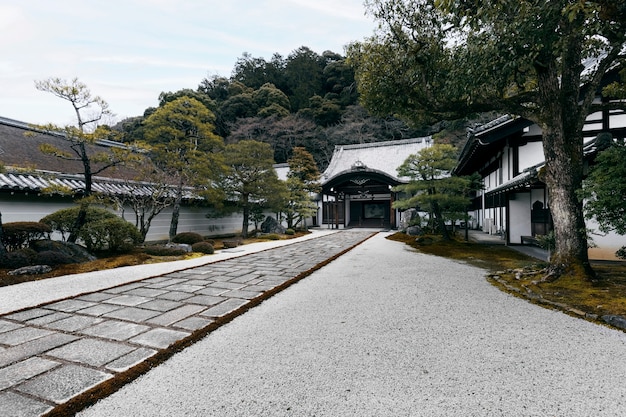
column 55, row 356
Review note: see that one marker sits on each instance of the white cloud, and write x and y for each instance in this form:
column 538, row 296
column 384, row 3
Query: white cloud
column 129, row 51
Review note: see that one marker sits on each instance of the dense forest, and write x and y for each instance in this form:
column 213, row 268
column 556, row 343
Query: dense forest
column 306, row 100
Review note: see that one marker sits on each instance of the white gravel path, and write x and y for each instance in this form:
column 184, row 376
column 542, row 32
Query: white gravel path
column 386, row 331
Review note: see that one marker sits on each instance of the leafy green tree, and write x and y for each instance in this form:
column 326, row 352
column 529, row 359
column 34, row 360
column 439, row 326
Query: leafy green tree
column 303, row 72
column 432, row 188
column 324, row 112
column 605, row 189
column 166, row 97
column 270, row 100
column 302, row 181
column 444, row 59
column 250, row 178
column 339, row 83
column 90, row 111
column 184, row 145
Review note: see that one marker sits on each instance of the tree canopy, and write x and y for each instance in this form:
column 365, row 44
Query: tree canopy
column 432, row 188
column 302, row 181
column 605, row 189
column 183, row 144
column 543, row 60
column 250, row 178
column 90, row 111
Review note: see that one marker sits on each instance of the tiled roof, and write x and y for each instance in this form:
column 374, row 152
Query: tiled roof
column 29, row 170
column 39, row 181
column 380, row 156
column 19, row 147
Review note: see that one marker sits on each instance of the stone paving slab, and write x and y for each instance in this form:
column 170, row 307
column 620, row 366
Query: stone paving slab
column 52, row 353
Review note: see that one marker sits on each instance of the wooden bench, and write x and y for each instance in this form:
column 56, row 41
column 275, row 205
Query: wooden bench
column 530, row 240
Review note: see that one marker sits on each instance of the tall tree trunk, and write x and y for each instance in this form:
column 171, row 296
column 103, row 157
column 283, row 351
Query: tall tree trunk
column 439, row 220
column 246, row 216
column 3, row 249
column 176, row 211
column 80, row 221
column 563, row 151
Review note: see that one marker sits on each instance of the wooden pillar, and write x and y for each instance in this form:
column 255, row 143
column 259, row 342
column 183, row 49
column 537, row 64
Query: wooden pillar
column 392, row 213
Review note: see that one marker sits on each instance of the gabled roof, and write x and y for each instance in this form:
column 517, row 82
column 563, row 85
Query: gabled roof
column 384, row 157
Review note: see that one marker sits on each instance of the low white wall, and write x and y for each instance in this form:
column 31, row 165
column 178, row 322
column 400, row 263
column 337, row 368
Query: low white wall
column 20, row 207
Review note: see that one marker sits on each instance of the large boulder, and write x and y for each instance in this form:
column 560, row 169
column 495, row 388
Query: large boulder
column 271, row 225
column 76, row 252
column 414, row 231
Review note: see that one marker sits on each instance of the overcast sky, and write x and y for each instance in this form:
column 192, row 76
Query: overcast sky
column 129, row 51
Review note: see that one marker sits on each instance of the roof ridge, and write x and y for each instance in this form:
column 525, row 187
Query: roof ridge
column 384, row 143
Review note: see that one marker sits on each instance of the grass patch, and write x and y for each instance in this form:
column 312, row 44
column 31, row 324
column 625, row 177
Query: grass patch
column 518, row 274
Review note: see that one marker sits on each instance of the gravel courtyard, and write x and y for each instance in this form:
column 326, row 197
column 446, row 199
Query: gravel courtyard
column 386, row 331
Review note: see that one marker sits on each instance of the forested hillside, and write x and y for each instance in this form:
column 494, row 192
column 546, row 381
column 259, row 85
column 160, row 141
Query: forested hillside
column 304, row 99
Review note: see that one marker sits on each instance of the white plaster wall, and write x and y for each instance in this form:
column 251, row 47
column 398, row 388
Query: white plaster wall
column 21, row 207
column 530, row 155
column 506, row 164
column 617, row 121
column 191, row 219
column 519, row 217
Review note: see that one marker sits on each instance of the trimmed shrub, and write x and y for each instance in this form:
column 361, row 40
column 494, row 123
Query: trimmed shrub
column 290, row 232
column 53, row 258
column 188, row 238
column 114, row 234
column 63, row 220
column 158, row 250
column 203, row 247
column 18, row 235
column 18, row 258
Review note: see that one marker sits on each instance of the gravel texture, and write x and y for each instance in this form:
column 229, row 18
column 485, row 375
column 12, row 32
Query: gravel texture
column 386, row 331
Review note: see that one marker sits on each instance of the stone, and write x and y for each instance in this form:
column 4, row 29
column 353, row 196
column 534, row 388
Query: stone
column 31, row 270
column 182, row 246
column 271, row 225
column 614, row 320
column 414, row 231
column 424, row 240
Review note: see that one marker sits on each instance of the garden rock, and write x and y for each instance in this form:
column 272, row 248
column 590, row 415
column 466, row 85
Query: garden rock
column 424, row 241
column 76, row 252
column 182, row 246
column 614, row 320
column 31, row 270
column 414, row 231
column 271, row 225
